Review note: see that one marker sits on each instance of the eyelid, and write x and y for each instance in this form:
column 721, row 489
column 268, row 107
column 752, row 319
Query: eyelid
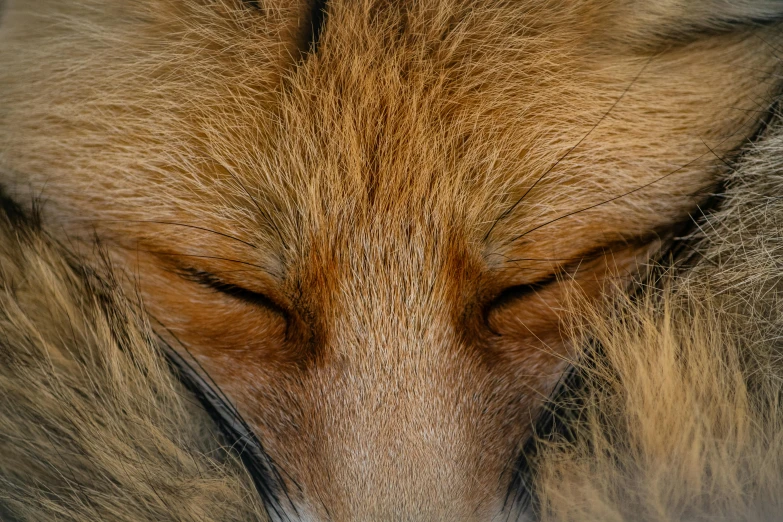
column 567, row 269
column 516, row 292
column 213, row 282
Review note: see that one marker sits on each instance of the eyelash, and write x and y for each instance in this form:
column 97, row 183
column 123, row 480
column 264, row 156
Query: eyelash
column 212, row 282
column 253, row 4
column 516, row 292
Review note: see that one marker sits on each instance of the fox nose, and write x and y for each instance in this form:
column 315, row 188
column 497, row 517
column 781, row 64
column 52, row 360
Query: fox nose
column 397, row 412
column 408, row 454
column 396, row 514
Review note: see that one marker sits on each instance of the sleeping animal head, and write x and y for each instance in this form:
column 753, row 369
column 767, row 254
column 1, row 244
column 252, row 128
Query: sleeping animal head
column 363, row 219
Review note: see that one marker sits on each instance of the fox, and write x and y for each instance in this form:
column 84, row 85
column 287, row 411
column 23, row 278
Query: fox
column 363, row 219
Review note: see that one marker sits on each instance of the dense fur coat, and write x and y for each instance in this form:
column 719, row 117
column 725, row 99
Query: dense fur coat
column 93, row 424
column 681, row 417
column 366, row 234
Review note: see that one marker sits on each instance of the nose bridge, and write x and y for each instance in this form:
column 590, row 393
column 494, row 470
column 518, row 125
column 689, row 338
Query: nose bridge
column 402, row 394
column 404, row 403
column 398, row 278
column 401, row 443
column 392, row 342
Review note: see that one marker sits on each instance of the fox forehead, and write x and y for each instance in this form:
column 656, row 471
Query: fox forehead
column 446, row 121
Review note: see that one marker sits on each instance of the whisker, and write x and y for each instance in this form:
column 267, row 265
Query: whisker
column 614, row 198
column 718, row 156
column 258, row 463
column 569, row 151
column 218, row 258
column 775, row 49
column 172, row 223
column 263, row 213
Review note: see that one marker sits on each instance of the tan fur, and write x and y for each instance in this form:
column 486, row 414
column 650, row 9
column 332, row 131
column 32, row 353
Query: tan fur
column 93, row 426
column 681, row 419
column 368, row 190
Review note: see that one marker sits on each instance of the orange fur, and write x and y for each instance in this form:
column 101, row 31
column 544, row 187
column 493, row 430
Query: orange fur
column 381, row 192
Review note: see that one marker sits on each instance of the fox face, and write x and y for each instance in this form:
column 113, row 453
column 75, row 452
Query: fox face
column 363, row 219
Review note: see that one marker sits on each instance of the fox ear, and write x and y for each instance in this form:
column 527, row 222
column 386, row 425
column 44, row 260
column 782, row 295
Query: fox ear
column 672, row 21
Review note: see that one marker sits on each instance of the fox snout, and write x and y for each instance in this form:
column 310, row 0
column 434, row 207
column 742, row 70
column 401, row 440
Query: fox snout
column 402, row 411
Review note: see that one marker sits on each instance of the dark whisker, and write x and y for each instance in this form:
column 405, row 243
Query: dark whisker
column 218, row 258
column 569, row 151
column 718, row 156
column 263, row 213
column 174, row 223
column 615, row 198
column 775, row 49
column 259, row 464
column 203, row 371
column 604, row 202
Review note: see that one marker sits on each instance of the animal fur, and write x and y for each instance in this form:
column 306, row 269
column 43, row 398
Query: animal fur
column 93, row 424
column 366, row 231
column 680, row 416
column 680, row 419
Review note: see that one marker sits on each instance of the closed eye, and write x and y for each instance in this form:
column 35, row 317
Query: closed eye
column 212, row 281
column 517, row 292
column 688, row 22
column 569, row 269
column 593, row 261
